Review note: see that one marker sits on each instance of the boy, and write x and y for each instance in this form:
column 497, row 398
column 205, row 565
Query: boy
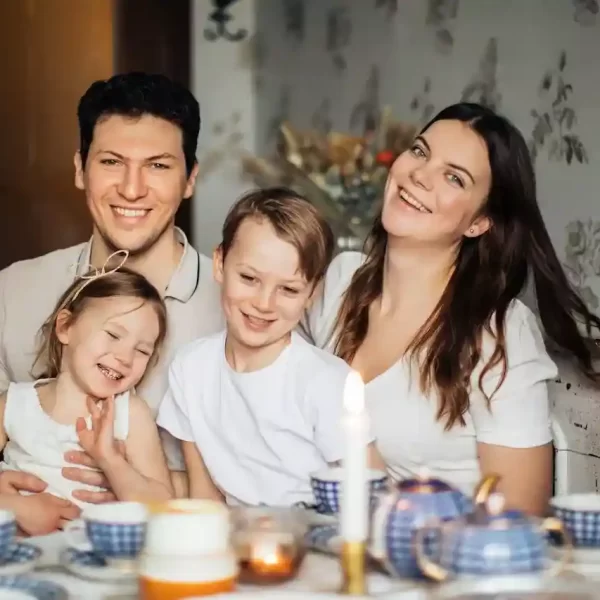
column 258, row 409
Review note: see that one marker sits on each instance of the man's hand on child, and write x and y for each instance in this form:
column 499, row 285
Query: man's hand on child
column 12, row 482
column 43, row 513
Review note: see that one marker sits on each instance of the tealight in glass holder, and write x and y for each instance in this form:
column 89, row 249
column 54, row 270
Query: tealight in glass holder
column 269, row 544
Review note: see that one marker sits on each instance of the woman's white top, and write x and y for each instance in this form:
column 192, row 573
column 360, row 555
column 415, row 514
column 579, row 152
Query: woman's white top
column 37, row 443
column 403, row 419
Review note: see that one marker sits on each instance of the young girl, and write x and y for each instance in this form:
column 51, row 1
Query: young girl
column 258, row 408
column 95, row 347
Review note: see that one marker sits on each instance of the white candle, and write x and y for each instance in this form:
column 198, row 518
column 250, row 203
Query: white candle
column 355, row 489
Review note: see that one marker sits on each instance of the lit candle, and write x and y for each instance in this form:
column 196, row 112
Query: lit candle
column 268, row 558
column 354, row 513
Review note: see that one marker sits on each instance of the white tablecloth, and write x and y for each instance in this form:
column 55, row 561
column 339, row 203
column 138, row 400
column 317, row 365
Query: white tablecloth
column 319, row 577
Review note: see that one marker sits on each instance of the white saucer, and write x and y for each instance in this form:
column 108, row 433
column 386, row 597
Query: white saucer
column 515, row 586
column 23, row 558
column 324, row 538
column 88, row 565
column 28, row 588
column 584, row 556
column 314, row 519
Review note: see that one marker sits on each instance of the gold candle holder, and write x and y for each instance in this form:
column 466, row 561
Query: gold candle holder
column 354, row 581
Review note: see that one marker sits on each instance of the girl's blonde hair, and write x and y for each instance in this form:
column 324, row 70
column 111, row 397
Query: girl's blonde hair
column 122, row 282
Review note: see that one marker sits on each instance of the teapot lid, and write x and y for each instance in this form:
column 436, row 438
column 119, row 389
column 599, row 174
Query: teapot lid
column 424, row 485
column 494, row 514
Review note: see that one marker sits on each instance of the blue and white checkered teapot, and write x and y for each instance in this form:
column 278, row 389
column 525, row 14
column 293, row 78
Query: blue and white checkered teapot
column 412, row 504
column 490, row 542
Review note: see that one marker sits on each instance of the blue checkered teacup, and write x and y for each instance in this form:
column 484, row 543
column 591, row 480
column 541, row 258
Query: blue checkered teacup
column 8, row 531
column 327, row 485
column 115, row 531
column 507, row 543
column 580, row 514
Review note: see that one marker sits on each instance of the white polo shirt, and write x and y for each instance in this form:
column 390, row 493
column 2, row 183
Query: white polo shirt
column 403, row 419
column 262, row 433
column 29, row 291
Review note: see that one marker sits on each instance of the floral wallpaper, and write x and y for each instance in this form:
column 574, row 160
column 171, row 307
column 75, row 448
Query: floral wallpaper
column 441, row 17
column 556, row 119
column 338, row 65
column 583, row 259
column 483, row 86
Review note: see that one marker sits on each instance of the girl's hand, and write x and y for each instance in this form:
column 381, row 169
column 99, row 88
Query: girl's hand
column 99, row 442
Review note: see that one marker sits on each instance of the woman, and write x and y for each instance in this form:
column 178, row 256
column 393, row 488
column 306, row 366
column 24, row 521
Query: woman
column 455, row 366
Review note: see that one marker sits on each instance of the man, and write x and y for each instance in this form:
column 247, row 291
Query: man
column 136, row 163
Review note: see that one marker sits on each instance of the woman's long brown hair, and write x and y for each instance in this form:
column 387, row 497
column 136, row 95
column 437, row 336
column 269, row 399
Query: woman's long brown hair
column 490, row 272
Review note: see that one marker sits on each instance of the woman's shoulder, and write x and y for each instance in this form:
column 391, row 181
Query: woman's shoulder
column 321, row 317
column 522, row 330
column 523, row 343
column 343, row 267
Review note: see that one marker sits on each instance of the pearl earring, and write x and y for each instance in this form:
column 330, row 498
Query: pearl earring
column 472, row 230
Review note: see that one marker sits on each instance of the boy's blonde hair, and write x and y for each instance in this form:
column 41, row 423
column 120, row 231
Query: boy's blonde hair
column 294, row 219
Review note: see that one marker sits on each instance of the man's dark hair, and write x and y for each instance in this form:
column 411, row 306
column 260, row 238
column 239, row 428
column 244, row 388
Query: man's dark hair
column 135, row 95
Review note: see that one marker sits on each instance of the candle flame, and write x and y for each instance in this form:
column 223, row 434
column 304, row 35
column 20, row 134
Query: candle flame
column 271, row 559
column 354, row 393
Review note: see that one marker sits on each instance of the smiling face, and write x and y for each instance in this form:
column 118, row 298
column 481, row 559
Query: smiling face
column 134, row 179
column 436, row 189
column 106, row 349
column 263, row 292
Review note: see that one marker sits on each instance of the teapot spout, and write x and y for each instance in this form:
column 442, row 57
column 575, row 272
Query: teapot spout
column 485, row 487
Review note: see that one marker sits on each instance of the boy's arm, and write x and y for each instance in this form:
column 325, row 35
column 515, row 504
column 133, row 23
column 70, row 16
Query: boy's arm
column 200, row 481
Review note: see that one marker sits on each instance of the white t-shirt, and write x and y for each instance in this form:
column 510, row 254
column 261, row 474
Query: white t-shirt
column 261, row 433
column 403, row 419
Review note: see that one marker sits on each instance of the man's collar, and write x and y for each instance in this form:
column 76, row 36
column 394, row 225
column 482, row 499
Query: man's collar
column 184, row 280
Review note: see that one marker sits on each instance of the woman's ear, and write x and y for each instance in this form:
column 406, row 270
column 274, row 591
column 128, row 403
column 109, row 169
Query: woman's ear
column 62, row 325
column 479, row 226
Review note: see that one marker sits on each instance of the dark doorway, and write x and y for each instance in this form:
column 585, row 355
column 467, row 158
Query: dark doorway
column 154, row 36
column 50, row 52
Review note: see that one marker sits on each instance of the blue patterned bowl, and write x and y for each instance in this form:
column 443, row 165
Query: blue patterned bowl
column 413, row 504
column 580, row 514
column 327, row 485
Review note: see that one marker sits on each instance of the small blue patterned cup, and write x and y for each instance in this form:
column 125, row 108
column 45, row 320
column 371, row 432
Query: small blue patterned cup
column 327, row 485
column 8, row 531
column 580, row 514
column 115, row 531
column 508, row 543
